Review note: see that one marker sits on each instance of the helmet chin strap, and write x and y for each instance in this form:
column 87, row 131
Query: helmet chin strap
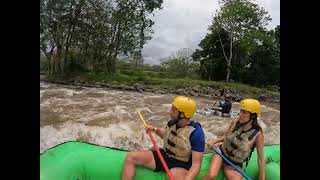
column 176, row 120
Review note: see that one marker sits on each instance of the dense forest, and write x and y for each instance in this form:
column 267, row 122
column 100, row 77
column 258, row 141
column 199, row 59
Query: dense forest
column 107, row 37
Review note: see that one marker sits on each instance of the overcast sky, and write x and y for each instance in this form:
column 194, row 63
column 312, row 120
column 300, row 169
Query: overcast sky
column 184, row 23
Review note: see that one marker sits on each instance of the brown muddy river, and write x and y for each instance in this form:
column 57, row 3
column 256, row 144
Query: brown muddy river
column 107, row 117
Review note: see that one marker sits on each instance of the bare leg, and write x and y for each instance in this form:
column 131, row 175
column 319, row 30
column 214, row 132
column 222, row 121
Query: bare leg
column 178, row 173
column 215, row 166
column 232, row 174
column 142, row 158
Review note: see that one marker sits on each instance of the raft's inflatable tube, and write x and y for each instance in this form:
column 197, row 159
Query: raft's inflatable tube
column 272, row 171
column 83, row 161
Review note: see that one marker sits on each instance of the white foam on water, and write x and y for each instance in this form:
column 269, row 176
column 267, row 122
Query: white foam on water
column 272, row 136
column 120, row 110
column 47, row 102
column 144, row 109
column 123, row 129
column 156, row 96
column 154, row 117
column 101, row 115
column 267, row 109
column 120, row 135
column 67, row 92
column 96, row 101
column 50, row 136
column 44, row 84
column 262, row 124
column 166, row 105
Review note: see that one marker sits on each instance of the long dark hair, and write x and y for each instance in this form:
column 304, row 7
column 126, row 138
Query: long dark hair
column 254, row 118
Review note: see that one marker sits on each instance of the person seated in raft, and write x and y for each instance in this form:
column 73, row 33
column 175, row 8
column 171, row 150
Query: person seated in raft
column 184, row 144
column 238, row 143
column 224, row 107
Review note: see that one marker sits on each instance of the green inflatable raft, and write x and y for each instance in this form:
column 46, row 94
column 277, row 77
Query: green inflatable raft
column 83, row 161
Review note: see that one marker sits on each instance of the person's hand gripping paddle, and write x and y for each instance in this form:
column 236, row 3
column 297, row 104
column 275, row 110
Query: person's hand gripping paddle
column 156, row 147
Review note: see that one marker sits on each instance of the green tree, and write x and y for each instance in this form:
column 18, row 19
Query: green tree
column 93, row 33
column 264, row 67
column 180, row 64
column 238, row 18
column 210, row 56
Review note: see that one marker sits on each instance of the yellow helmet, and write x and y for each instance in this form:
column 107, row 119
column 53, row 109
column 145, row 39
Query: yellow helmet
column 186, row 105
column 251, row 105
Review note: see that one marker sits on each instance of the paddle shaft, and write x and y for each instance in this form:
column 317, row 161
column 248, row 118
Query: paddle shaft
column 157, row 149
column 160, row 155
column 234, row 167
column 214, row 103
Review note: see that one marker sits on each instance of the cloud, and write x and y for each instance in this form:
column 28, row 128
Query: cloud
column 273, row 7
column 184, row 23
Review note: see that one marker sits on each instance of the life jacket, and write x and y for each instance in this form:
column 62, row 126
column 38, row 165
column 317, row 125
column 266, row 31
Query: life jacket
column 176, row 141
column 239, row 144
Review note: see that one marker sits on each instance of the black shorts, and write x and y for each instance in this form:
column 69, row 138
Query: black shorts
column 171, row 162
column 235, row 163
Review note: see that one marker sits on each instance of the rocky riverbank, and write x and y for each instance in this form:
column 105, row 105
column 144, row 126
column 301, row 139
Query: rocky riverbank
column 196, row 91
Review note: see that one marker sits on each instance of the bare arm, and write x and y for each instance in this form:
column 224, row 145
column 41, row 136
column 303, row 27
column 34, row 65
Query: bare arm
column 159, row 131
column 231, row 126
column 196, row 165
column 221, row 138
column 261, row 163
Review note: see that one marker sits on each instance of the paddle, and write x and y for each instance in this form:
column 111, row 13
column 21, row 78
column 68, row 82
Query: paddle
column 214, row 104
column 157, row 148
column 221, row 94
column 234, row 167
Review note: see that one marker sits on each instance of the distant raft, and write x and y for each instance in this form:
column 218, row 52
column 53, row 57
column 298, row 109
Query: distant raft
column 83, row 161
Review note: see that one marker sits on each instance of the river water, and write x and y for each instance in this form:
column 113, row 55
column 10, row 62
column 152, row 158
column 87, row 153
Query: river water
column 107, row 117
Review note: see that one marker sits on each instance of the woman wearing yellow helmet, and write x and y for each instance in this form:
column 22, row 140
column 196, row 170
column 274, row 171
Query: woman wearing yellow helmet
column 238, row 143
column 183, row 144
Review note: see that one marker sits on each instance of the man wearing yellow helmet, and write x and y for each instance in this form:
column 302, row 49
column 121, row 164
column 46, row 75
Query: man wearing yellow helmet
column 238, row 143
column 183, row 148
